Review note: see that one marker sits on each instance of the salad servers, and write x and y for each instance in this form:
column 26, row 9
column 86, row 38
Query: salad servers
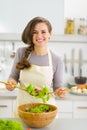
column 30, row 87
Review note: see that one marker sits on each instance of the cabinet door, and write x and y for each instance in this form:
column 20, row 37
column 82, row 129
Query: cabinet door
column 65, row 115
column 5, row 108
column 80, row 109
column 64, row 109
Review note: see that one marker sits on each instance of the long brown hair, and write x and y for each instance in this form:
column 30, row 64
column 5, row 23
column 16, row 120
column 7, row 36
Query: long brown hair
column 27, row 39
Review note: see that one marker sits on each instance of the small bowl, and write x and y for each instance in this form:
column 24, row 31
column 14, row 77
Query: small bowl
column 80, row 80
column 37, row 120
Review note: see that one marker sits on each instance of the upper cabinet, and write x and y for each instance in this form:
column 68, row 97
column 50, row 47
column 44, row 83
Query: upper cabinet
column 75, row 8
column 75, row 15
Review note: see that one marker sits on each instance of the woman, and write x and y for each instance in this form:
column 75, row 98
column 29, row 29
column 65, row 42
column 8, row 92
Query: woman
column 36, row 64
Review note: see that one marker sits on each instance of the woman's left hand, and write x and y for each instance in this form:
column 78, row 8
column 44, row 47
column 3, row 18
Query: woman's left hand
column 60, row 92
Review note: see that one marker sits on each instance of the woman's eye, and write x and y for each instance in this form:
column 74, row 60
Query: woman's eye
column 34, row 32
column 43, row 32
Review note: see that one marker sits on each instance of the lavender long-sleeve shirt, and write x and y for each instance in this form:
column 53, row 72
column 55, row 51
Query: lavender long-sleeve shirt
column 41, row 61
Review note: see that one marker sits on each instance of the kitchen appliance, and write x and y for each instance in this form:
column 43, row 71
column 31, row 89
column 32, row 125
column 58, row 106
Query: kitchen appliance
column 80, row 79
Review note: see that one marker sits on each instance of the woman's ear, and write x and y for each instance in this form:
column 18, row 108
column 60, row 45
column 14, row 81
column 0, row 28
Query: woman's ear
column 50, row 33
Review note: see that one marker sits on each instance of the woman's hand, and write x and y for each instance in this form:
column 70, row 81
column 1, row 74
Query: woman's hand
column 11, row 84
column 60, row 92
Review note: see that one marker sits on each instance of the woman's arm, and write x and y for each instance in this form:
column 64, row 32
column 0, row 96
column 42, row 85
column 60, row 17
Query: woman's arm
column 14, row 74
column 57, row 72
column 58, row 77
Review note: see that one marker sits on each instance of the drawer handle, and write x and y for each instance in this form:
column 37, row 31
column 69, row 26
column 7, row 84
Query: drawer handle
column 84, row 107
column 3, row 106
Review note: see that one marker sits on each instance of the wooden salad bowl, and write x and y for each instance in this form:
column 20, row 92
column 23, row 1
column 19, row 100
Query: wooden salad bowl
column 38, row 119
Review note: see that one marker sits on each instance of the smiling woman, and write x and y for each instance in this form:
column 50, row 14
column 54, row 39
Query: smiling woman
column 36, row 64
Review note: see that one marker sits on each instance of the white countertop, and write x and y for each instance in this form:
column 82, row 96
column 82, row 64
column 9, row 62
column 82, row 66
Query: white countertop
column 8, row 94
column 73, row 97
column 62, row 124
column 68, row 124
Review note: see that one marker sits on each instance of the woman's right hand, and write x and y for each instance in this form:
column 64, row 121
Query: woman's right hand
column 11, row 84
column 60, row 92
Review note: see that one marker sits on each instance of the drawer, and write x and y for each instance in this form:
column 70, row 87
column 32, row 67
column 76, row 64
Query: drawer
column 5, row 108
column 80, row 109
column 64, row 106
column 65, row 115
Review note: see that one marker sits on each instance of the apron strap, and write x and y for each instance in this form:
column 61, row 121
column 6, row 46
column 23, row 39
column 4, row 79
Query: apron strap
column 50, row 58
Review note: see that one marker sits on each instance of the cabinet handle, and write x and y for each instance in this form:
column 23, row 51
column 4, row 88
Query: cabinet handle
column 3, row 106
column 84, row 107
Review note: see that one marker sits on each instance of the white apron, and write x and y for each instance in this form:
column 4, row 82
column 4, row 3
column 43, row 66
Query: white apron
column 39, row 76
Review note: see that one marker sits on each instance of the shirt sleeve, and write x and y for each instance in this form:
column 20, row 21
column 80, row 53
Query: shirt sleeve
column 58, row 74
column 14, row 71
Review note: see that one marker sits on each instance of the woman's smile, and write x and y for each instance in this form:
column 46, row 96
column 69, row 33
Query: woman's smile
column 41, row 34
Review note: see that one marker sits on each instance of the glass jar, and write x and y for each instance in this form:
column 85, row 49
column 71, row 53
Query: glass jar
column 70, row 26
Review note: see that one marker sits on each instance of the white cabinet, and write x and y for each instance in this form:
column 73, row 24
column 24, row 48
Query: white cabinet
column 72, row 109
column 80, row 109
column 64, row 109
column 6, row 108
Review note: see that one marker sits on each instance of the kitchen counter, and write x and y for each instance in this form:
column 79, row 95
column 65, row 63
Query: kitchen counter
column 8, row 94
column 69, row 96
column 73, row 97
column 62, row 124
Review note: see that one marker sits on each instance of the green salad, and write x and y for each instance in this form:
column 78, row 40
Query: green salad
column 39, row 109
column 9, row 124
column 43, row 93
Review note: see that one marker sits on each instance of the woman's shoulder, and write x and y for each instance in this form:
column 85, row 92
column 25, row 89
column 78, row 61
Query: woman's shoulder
column 20, row 51
column 55, row 57
column 21, row 48
column 56, row 60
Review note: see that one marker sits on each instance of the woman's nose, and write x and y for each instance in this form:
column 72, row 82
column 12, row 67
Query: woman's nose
column 39, row 35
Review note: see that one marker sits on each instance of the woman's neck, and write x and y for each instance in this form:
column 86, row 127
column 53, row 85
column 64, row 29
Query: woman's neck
column 40, row 51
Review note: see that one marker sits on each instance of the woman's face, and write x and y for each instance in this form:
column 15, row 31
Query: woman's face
column 41, row 35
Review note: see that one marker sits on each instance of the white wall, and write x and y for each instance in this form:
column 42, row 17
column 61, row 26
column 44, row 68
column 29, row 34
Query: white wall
column 15, row 14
